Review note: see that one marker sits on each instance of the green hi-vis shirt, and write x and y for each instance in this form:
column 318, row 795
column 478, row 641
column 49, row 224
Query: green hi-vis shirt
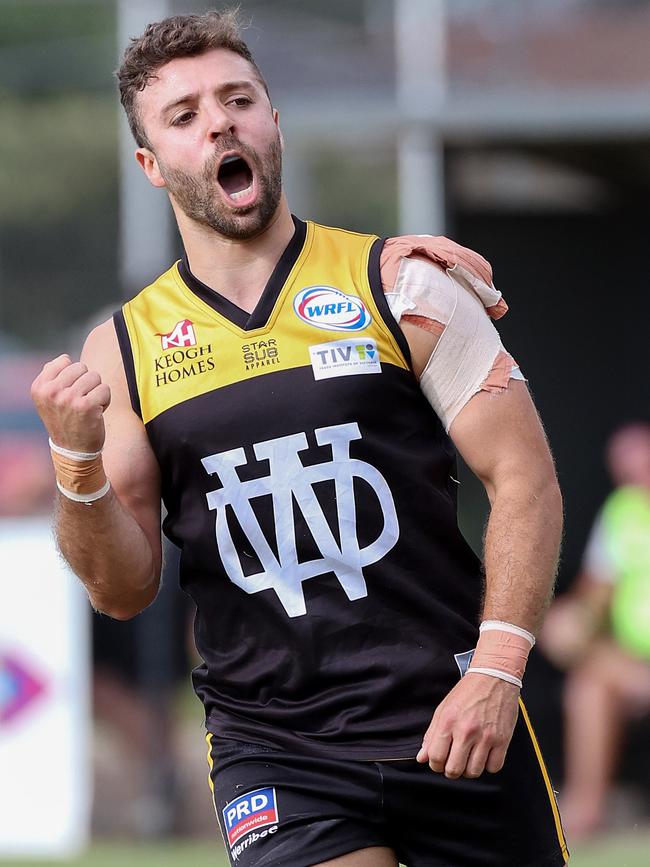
column 309, row 486
column 626, row 535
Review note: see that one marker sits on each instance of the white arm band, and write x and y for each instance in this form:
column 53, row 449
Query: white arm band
column 465, row 352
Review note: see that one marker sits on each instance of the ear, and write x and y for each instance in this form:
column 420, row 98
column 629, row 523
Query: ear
column 149, row 165
column 276, row 121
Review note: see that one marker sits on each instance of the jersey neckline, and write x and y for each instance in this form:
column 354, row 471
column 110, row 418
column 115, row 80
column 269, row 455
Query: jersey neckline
column 264, row 307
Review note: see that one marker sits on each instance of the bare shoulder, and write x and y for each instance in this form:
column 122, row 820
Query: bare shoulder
column 101, row 352
column 128, row 458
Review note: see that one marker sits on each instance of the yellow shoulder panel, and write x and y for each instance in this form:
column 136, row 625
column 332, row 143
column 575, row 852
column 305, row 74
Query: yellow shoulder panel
column 182, row 347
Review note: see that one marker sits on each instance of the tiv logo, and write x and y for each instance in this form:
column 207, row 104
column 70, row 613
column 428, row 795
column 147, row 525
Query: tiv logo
column 290, row 486
column 331, row 309
column 263, row 353
column 182, row 334
column 344, row 358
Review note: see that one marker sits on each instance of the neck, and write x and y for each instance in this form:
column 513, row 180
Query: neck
column 238, row 270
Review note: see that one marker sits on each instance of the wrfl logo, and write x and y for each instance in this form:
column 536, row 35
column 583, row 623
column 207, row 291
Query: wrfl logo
column 331, row 309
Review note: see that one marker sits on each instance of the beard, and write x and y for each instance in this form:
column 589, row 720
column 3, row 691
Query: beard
column 200, row 201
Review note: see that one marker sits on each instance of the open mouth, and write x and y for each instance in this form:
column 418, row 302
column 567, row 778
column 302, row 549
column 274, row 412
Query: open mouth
column 235, row 177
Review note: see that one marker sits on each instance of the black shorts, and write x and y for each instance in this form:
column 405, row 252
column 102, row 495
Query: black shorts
column 281, row 809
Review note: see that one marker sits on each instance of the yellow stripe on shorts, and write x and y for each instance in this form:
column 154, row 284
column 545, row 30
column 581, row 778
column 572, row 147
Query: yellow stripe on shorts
column 208, row 739
column 547, row 781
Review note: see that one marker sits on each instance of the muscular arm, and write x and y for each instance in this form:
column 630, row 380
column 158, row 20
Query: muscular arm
column 502, row 441
column 501, row 438
column 113, row 545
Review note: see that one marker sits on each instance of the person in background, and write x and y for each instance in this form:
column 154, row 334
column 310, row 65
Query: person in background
column 600, row 632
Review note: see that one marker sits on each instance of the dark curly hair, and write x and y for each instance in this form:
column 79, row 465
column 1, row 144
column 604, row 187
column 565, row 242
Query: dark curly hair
column 177, row 36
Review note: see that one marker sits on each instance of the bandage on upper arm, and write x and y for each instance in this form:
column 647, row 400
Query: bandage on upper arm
column 440, row 292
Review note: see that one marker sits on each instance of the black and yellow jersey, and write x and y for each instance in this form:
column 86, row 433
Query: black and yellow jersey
column 308, row 484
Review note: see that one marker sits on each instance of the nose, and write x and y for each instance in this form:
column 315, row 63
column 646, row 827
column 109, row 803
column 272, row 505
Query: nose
column 220, row 122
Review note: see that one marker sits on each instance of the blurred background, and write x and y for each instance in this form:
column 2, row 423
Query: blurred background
column 521, row 129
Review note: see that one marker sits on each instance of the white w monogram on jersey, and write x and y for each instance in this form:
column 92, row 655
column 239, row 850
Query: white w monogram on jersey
column 288, row 482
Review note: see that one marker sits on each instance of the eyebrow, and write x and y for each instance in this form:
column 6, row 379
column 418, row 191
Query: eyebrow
column 191, row 97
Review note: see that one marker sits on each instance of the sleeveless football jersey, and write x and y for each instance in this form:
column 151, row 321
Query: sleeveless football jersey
column 308, row 484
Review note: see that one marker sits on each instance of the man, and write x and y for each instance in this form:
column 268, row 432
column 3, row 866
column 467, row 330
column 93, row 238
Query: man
column 600, row 631
column 264, row 386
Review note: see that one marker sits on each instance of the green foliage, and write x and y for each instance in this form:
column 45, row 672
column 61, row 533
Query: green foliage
column 49, row 46
column 356, row 191
column 32, row 21
column 57, row 154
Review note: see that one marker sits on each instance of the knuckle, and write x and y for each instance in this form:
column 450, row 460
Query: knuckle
column 496, row 763
column 59, row 397
column 56, row 362
column 78, row 404
column 468, row 729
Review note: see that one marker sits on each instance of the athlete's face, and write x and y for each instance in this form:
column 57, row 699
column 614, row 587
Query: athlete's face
column 216, row 144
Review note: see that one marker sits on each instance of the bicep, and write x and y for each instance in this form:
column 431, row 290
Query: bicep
column 129, row 461
column 500, row 437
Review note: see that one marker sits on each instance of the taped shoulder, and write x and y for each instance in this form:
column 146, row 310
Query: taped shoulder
column 449, row 256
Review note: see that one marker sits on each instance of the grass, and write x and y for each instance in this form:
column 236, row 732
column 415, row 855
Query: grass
column 630, row 849
column 172, row 854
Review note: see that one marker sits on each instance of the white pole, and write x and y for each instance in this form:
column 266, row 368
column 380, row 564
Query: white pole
column 145, row 233
column 420, row 40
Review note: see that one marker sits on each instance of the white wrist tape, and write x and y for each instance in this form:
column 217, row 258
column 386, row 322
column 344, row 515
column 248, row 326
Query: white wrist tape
column 77, row 473
column 74, row 456
column 502, row 651
column 494, row 672
column 501, row 625
column 85, row 498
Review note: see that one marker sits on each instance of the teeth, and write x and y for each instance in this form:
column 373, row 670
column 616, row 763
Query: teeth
column 242, row 193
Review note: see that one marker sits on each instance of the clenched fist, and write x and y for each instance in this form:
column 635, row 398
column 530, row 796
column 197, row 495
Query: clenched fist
column 71, row 400
column 472, row 727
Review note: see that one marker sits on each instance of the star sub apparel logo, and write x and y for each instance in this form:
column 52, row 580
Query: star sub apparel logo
column 290, row 482
column 250, row 818
column 182, row 356
column 261, row 353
